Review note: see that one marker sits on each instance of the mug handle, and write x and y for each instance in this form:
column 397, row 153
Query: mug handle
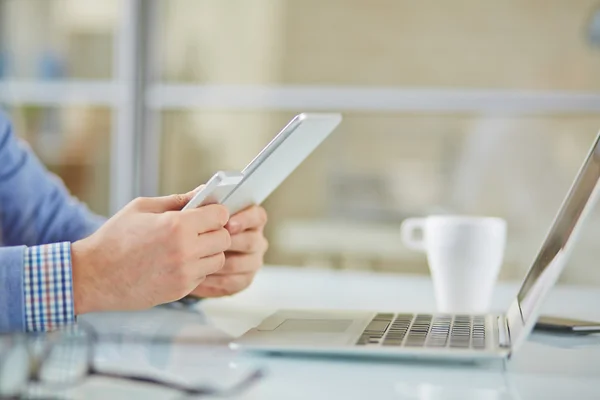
column 407, row 232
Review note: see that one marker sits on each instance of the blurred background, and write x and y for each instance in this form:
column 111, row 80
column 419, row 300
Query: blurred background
column 461, row 106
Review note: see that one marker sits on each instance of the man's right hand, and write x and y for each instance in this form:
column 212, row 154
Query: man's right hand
column 148, row 254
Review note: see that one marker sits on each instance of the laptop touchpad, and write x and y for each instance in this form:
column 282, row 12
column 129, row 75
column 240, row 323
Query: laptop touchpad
column 315, row 325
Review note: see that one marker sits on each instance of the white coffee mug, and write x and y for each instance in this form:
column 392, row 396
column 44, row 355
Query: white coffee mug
column 464, row 256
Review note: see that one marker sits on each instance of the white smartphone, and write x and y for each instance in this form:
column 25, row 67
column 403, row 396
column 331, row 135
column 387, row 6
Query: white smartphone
column 553, row 324
column 296, row 141
column 216, row 189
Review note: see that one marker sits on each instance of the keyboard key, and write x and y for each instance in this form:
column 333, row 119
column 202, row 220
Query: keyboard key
column 460, row 332
column 377, row 326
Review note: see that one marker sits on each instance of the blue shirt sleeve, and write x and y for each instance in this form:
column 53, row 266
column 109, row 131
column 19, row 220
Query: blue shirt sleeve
column 35, row 209
column 12, row 303
column 35, row 206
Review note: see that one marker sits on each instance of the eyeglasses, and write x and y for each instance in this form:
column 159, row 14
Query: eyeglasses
column 35, row 364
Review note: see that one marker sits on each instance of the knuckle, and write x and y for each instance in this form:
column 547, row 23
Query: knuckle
column 179, row 199
column 216, row 291
column 233, row 265
column 224, row 283
column 225, row 239
column 255, row 243
column 221, row 214
column 239, row 284
column 262, row 216
column 246, row 281
column 213, row 264
column 172, row 223
column 180, row 252
column 220, row 261
column 228, row 291
column 171, row 237
column 215, row 215
column 139, row 202
column 250, row 245
column 227, row 285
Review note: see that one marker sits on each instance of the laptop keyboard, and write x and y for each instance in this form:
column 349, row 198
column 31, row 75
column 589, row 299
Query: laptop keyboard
column 426, row 330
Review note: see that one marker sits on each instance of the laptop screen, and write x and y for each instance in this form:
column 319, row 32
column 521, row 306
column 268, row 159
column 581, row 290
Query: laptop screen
column 553, row 254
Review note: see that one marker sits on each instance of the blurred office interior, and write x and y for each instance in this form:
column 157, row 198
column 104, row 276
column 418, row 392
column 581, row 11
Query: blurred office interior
column 461, row 106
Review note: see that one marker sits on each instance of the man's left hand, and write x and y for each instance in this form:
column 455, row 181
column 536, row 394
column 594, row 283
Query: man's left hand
column 243, row 259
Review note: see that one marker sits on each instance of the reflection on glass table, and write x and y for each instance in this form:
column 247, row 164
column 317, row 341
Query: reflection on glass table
column 48, row 364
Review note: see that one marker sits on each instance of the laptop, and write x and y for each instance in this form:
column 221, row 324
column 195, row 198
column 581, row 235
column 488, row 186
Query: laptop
column 438, row 336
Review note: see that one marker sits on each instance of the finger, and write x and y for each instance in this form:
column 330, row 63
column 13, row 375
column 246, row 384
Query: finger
column 223, row 285
column 251, row 218
column 206, row 218
column 251, row 241
column 211, row 243
column 206, row 266
column 195, row 191
column 174, row 202
column 241, row 263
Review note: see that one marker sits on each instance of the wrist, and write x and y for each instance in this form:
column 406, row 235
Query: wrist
column 81, row 264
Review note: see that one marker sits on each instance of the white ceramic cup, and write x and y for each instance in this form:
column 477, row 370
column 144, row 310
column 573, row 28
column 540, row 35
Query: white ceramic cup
column 464, row 256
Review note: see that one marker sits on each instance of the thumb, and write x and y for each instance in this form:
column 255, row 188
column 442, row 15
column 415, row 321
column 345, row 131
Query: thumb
column 173, row 202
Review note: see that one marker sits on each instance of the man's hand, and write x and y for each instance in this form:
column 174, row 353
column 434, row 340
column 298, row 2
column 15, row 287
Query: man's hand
column 243, row 259
column 148, row 254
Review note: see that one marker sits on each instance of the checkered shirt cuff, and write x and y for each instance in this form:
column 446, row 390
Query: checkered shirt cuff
column 48, row 287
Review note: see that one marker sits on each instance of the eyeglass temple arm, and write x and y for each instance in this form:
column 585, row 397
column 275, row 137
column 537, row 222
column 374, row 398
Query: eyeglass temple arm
column 186, row 389
column 143, row 379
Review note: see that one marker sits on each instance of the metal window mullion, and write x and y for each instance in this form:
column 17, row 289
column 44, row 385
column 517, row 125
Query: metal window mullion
column 128, row 105
column 149, row 145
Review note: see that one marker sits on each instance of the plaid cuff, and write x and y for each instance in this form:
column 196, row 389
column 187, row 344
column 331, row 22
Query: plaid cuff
column 48, row 287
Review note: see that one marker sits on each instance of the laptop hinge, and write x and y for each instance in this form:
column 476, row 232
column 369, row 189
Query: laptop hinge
column 503, row 332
